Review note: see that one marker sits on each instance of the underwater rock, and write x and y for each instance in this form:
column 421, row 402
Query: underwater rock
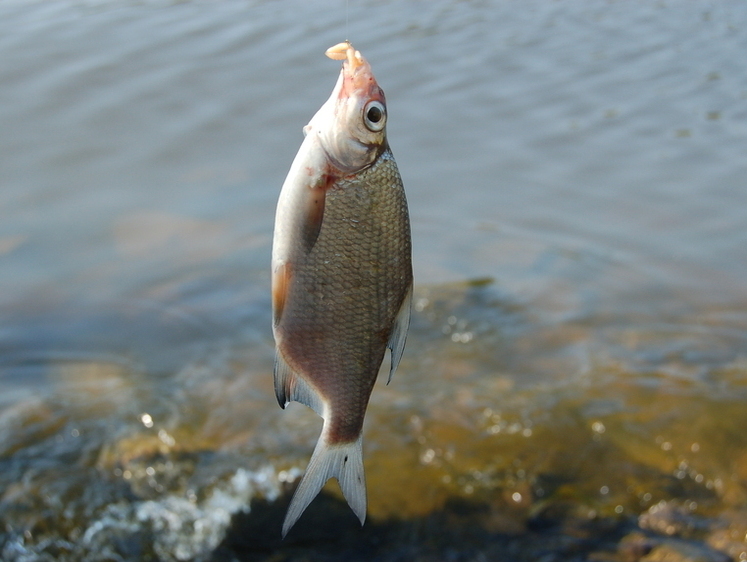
column 671, row 550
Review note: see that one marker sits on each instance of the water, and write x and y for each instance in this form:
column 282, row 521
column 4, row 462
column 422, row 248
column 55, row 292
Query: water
column 575, row 380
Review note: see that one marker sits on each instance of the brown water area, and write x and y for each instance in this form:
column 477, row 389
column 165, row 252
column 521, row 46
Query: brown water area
column 574, row 385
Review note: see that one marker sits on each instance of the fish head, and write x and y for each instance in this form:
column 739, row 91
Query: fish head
column 351, row 125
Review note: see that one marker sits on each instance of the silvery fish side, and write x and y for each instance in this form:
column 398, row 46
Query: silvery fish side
column 341, row 276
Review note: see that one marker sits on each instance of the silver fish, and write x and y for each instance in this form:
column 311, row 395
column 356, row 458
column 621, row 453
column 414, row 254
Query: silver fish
column 341, row 276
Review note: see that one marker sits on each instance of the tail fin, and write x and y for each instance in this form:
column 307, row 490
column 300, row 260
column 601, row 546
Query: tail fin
column 343, row 461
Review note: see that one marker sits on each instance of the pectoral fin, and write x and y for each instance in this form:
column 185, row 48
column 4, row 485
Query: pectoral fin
column 305, row 223
column 399, row 334
column 300, row 211
column 313, row 216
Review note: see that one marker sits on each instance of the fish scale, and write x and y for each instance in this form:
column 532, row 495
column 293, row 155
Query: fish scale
column 355, row 264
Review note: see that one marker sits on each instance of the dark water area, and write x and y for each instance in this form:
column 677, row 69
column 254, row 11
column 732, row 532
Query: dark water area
column 575, row 381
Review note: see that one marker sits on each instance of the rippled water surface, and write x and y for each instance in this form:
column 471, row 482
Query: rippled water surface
column 575, row 381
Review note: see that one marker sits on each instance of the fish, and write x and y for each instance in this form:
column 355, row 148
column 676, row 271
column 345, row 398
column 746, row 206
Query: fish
column 341, row 276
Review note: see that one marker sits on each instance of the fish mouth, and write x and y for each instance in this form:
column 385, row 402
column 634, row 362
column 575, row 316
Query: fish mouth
column 358, row 80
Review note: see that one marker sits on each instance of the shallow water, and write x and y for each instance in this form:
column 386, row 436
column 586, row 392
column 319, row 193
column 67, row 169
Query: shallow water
column 575, row 381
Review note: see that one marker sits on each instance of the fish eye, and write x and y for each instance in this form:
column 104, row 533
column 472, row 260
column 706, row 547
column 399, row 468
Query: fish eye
column 374, row 116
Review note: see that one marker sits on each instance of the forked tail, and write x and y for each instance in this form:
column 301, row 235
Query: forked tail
column 343, row 461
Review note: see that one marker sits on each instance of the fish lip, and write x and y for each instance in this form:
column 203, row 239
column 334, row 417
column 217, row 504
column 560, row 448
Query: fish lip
column 356, row 70
column 358, row 79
